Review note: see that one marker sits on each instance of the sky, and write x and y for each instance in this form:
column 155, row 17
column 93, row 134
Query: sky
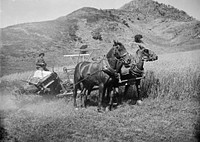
column 22, row 11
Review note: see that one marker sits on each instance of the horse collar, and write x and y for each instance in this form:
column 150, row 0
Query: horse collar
column 136, row 71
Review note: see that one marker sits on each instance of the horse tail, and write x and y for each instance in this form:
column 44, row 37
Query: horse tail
column 77, row 78
column 77, row 75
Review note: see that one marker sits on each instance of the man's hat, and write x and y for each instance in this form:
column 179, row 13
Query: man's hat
column 41, row 54
column 138, row 38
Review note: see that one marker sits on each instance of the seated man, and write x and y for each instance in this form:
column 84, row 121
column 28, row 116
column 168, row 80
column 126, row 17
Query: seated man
column 40, row 63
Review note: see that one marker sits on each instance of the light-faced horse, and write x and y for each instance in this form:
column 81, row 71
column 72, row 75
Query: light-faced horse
column 137, row 68
column 100, row 73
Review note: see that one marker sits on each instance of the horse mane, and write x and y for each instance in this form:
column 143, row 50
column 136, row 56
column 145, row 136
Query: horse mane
column 118, row 43
column 135, row 57
column 110, row 53
column 137, row 51
column 111, row 58
column 113, row 61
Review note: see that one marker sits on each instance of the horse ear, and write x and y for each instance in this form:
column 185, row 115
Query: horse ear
column 141, row 47
column 114, row 42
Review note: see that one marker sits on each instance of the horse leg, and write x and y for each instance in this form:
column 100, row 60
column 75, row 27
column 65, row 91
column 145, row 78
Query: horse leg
column 117, row 96
column 106, row 96
column 75, row 94
column 139, row 97
column 85, row 97
column 111, row 92
column 101, row 90
column 83, row 94
column 108, row 99
column 125, row 92
column 81, row 97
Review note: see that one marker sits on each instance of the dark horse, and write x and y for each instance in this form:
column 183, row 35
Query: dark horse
column 101, row 73
column 136, row 69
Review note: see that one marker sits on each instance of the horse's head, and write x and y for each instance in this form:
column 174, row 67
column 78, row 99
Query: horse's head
column 121, row 53
column 146, row 54
column 137, row 62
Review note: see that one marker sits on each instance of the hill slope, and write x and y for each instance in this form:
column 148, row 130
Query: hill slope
column 165, row 29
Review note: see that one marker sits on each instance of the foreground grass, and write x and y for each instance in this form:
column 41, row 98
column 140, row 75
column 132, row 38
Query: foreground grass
column 169, row 113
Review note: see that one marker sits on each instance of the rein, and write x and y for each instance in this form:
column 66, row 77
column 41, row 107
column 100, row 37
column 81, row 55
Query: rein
column 121, row 59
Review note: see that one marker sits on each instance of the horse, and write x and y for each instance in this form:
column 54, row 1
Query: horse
column 136, row 69
column 101, row 73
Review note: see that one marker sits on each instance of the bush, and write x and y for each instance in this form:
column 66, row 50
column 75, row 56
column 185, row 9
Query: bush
column 97, row 35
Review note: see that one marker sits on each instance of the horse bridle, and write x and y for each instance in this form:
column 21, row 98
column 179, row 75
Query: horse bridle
column 121, row 57
column 147, row 55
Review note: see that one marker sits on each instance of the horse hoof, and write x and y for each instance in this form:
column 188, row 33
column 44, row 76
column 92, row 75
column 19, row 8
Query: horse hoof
column 99, row 110
column 139, row 102
column 107, row 109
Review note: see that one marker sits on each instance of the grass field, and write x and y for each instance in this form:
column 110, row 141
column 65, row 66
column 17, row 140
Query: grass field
column 170, row 112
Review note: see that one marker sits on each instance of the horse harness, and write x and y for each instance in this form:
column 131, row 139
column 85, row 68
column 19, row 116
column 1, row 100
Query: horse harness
column 106, row 68
column 136, row 71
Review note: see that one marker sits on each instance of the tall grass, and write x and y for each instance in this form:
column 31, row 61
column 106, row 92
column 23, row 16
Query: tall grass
column 171, row 77
column 172, row 85
column 169, row 113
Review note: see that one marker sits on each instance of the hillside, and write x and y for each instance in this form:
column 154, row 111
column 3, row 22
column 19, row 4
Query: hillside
column 165, row 29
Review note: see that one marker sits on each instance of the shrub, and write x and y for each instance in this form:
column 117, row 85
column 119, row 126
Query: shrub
column 97, row 35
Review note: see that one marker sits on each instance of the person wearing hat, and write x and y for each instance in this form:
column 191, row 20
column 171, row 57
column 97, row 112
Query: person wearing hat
column 138, row 41
column 40, row 63
column 140, row 44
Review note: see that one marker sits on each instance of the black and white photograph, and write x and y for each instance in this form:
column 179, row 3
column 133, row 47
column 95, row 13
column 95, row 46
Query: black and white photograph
column 100, row 70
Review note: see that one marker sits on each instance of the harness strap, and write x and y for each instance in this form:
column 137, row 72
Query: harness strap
column 81, row 69
column 134, row 70
column 87, row 77
column 106, row 68
column 124, row 55
column 90, row 65
column 89, row 68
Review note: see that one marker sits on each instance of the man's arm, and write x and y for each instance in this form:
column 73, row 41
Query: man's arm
column 40, row 62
